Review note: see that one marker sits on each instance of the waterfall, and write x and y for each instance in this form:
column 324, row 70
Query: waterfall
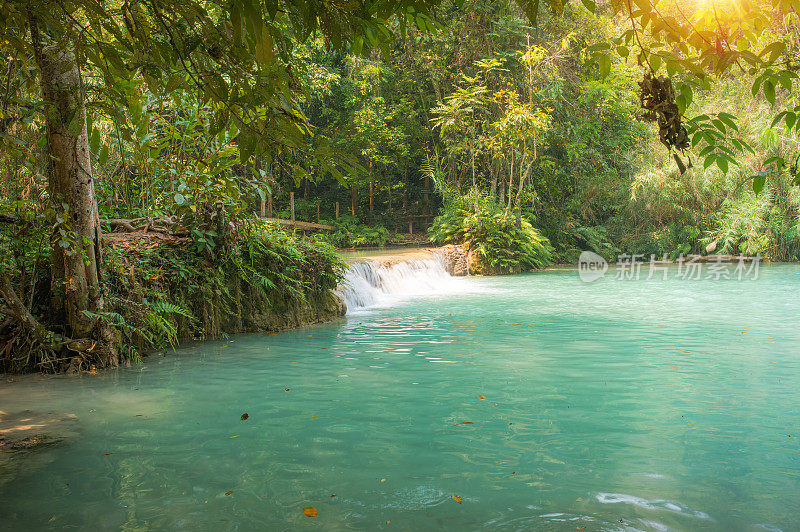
column 372, row 282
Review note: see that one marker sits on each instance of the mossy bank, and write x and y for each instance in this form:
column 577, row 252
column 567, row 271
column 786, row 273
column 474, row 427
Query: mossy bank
column 161, row 289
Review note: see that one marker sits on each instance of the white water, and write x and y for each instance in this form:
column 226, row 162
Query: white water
column 370, row 283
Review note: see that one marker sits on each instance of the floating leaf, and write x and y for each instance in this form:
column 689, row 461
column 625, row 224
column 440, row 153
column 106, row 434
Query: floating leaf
column 228, row 493
column 465, row 423
column 310, row 511
column 383, row 480
column 457, row 499
column 245, row 416
column 482, row 397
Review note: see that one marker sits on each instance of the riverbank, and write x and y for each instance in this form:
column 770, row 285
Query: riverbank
column 160, row 290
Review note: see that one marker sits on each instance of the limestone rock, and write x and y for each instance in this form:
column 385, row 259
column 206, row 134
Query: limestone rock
column 455, row 259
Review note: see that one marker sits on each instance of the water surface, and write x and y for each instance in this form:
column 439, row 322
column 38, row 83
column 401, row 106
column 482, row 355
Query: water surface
column 615, row 405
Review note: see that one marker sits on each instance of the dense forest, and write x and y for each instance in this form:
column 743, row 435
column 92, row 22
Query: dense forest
column 144, row 142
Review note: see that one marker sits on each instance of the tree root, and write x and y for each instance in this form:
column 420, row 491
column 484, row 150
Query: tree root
column 165, row 224
column 27, row 346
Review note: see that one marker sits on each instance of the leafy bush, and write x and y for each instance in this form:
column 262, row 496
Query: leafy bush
column 764, row 224
column 495, row 237
column 160, row 294
column 350, row 233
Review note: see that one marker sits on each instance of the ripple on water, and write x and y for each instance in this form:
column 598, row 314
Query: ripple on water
column 615, row 406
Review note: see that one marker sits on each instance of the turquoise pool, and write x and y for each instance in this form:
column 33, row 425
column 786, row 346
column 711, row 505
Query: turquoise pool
column 540, row 401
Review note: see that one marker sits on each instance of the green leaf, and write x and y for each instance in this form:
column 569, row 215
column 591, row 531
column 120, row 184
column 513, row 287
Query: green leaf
column 530, row 8
column 777, row 161
column 357, row 46
column 247, row 146
column 774, row 51
column 785, row 79
column 264, row 45
column 769, row 91
column 655, row 62
column 705, row 151
column 722, row 163
column 104, row 154
column 680, row 101
column 729, row 120
column 790, row 120
column 590, row 5
column 778, row 118
column 756, row 85
column 758, row 182
column 604, row 62
column 76, row 124
column 94, row 142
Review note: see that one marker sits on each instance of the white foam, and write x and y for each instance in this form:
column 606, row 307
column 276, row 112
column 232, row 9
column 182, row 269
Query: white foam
column 656, row 504
column 370, row 283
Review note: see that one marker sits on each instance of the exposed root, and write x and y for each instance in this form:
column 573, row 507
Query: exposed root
column 165, row 225
column 27, row 346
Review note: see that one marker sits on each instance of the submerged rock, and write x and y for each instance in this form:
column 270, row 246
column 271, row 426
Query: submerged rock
column 25, row 433
column 28, row 430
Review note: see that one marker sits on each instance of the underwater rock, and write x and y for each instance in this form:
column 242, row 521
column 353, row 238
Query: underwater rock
column 28, row 430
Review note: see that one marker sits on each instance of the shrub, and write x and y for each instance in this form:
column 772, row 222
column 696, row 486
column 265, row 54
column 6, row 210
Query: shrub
column 494, row 238
column 350, row 233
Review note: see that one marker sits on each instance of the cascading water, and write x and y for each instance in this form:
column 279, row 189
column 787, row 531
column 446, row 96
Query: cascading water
column 372, row 282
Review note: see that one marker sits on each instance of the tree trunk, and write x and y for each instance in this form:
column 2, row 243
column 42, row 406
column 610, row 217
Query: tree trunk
column 475, row 183
column 510, row 183
column 405, row 190
column 426, row 197
column 493, row 172
column 76, row 243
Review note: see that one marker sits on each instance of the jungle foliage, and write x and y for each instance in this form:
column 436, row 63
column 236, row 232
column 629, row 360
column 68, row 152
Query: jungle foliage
column 643, row 127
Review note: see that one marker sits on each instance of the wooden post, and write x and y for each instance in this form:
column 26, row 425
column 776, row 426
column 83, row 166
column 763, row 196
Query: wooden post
column 269, row 205
column 410, row 227
column 291, row 206
column 370, row 197
column 337, row 210
column 263, row 208
column 317, row 212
